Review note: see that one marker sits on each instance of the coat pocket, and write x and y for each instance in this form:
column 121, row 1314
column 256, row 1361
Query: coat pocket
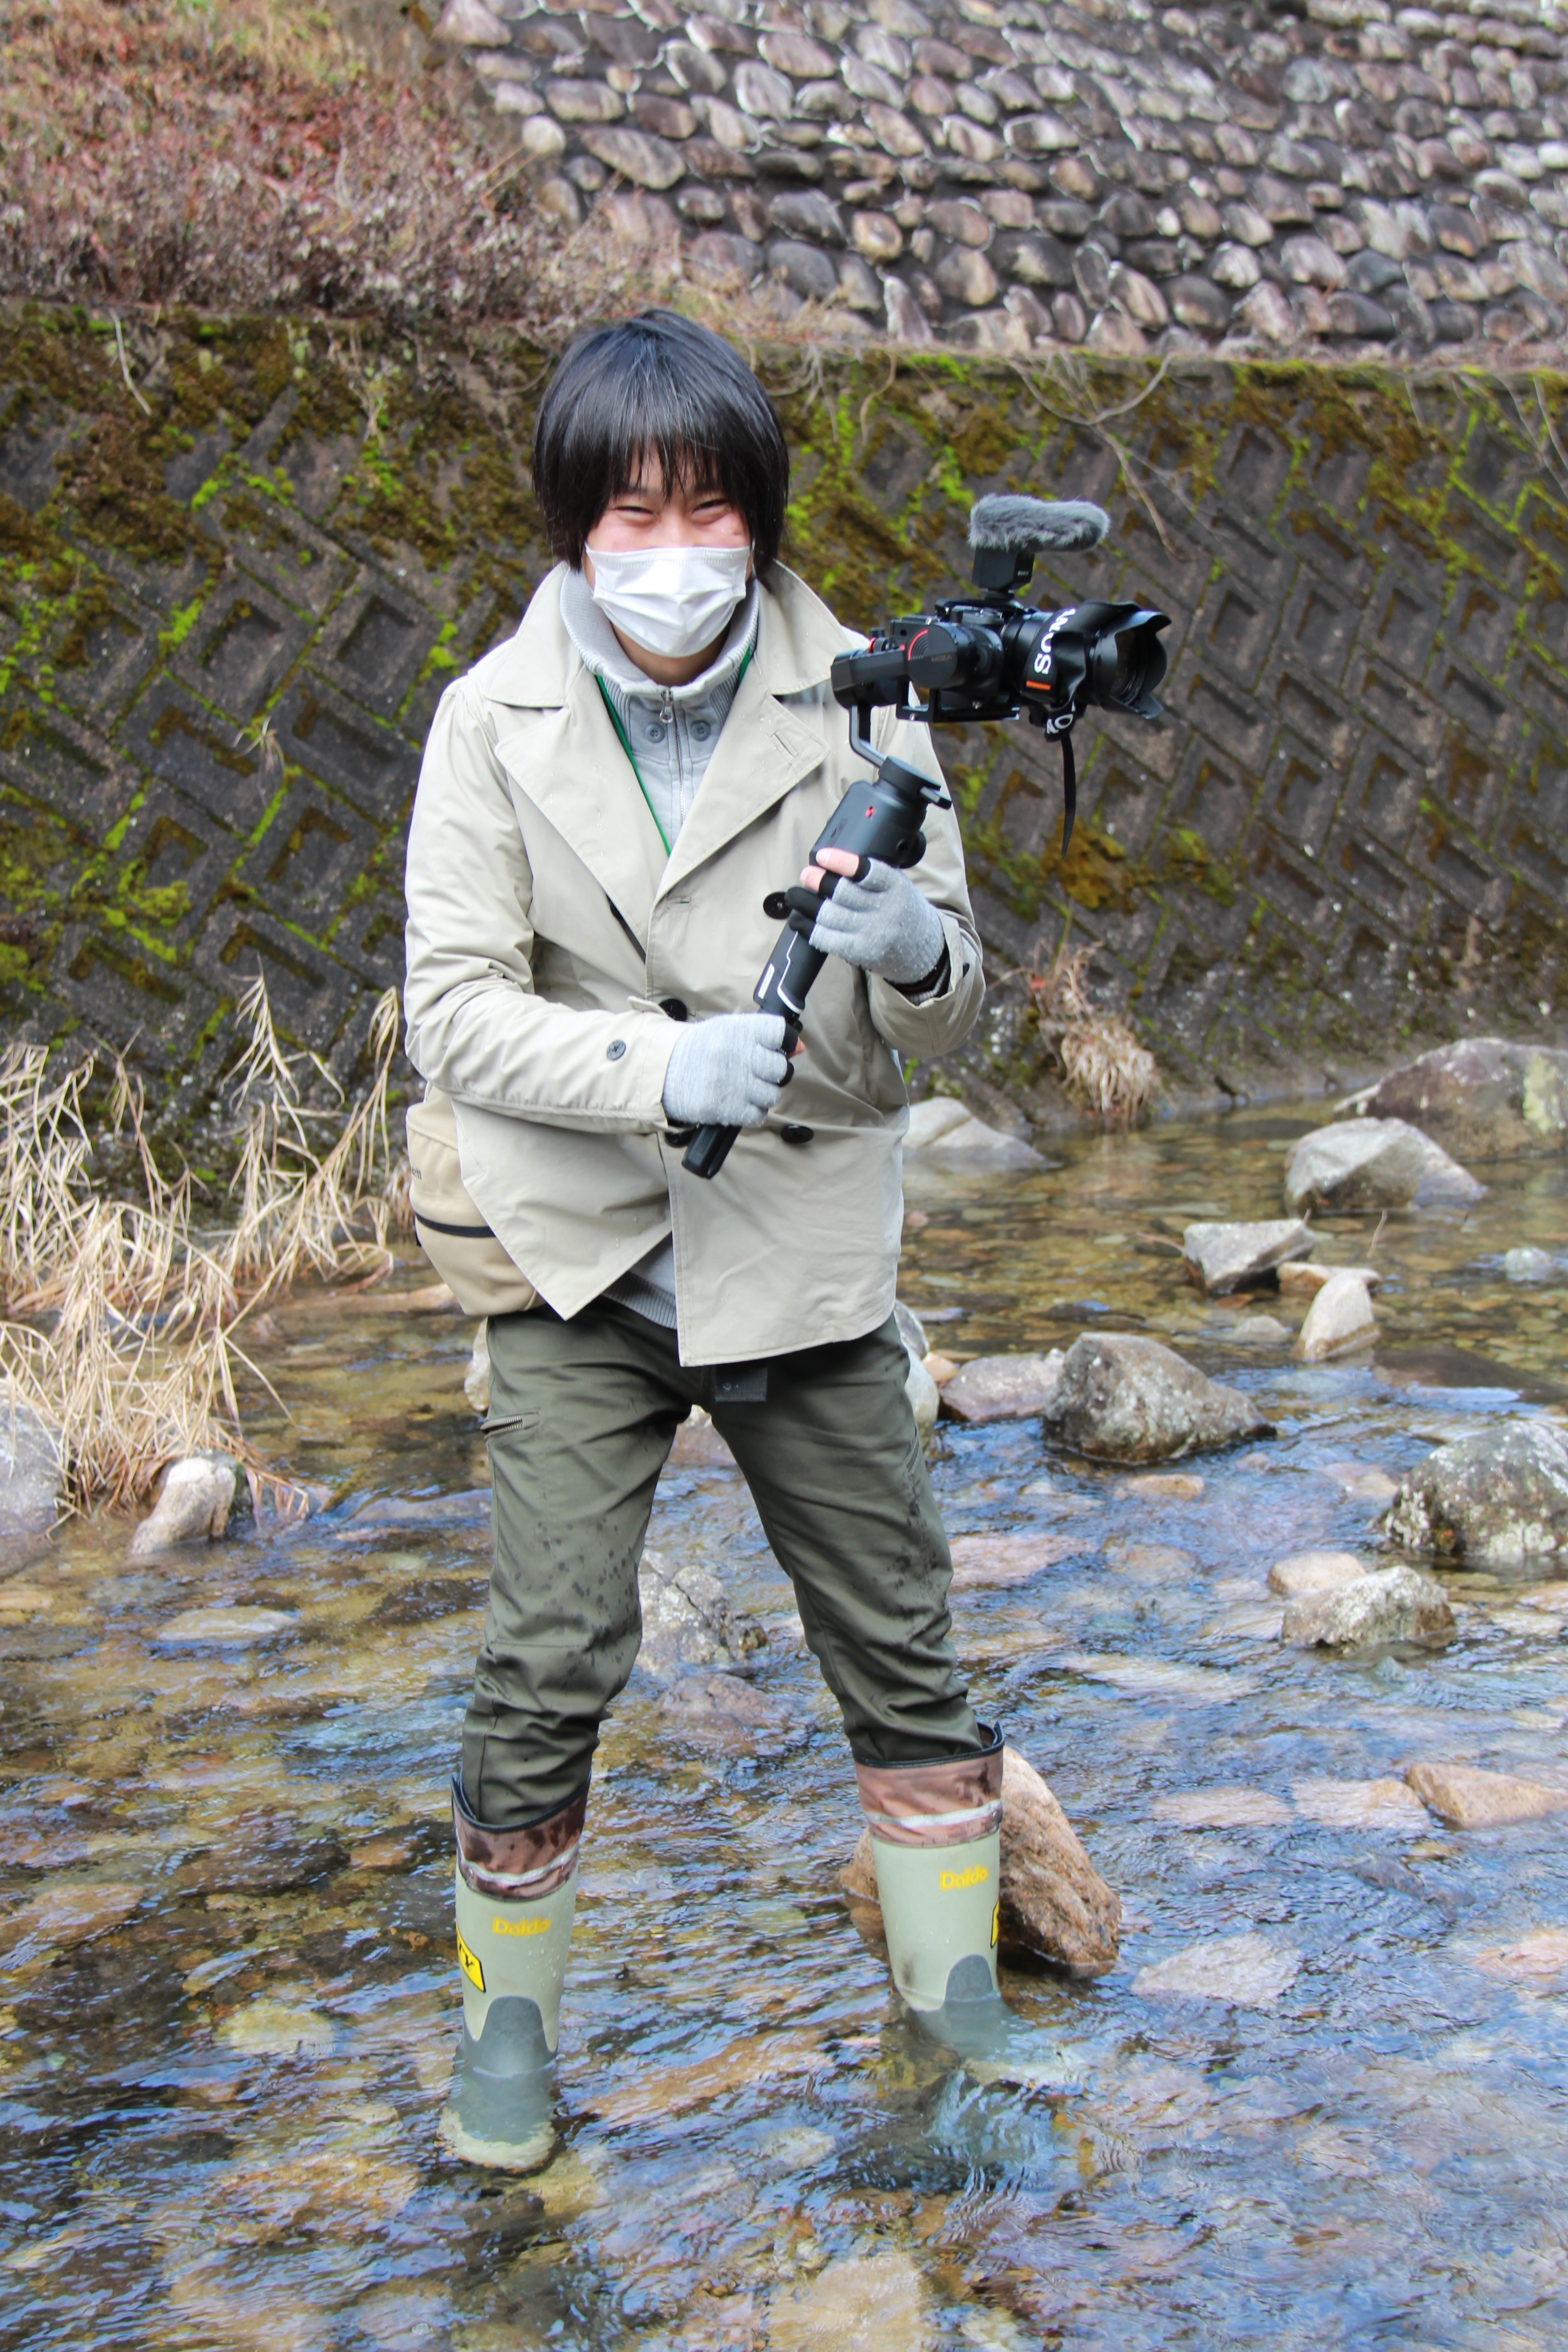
column 452, row 1233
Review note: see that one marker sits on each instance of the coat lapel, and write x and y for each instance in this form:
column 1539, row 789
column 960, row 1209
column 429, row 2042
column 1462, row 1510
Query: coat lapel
column 573, row 767
column 762, row 753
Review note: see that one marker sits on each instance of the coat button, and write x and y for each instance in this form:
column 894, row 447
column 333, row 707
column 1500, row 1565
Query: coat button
column 795, row 1134
column 613, row 1051
column 673, row 1009
column 656, row 733
column 701, row 729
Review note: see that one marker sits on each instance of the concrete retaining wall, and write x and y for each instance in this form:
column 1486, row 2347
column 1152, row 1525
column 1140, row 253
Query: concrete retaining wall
column 240, row 560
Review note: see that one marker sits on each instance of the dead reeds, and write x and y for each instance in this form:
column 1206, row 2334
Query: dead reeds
column 123, row 1316
column 1096, row 1053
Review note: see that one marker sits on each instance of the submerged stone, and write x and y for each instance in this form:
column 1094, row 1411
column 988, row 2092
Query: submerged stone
column 1498, row 1499
column 1123, row 1398
column 1222, row 1258
column 990, row 1563
column 1468, row 1799
column 876, row 2303
column 1242, row 1971
column 230, row 1628
column 722, row 1711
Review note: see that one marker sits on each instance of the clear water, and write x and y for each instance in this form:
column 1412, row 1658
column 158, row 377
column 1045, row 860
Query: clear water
column 217, row 2107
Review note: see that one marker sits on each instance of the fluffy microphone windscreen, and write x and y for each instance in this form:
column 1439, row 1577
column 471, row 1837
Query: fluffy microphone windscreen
column 1043, row 526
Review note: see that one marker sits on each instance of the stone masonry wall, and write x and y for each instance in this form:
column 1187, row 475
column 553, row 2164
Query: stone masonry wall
column 239, row 560
column 1011, row 175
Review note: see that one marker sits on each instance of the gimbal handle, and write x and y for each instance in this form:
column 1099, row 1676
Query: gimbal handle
column 880, row 820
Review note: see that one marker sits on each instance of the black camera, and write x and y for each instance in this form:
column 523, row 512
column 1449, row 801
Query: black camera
column 973, row 657
column 989, row 656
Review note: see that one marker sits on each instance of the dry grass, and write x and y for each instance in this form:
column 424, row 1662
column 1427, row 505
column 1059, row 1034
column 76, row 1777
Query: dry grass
column 243, row 157
column 1101, row 1060
column 249, row 157
column 122, row 1315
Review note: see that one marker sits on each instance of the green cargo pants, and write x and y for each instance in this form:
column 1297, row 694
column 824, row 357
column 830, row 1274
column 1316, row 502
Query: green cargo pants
column 583, row 1414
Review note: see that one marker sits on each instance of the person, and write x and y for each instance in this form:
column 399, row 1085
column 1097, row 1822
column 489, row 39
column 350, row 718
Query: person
column 605, row 800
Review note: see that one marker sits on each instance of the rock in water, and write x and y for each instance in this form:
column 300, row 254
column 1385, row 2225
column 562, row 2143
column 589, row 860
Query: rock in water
column 925, row 1398
column 195, row 1504
column 29, row 1470
column 1528, row 1266
column 722, row 1711
column 1004, row 1387
column 1498, row 1499
column 1314, row 1571
column 1222, row 1258
column 1393, row 1604
column 1053, row 1903
column 1487, row 1098
column 1244, row 1972
column 1123, row 1397
column 476, row 1379
column 912, row 1330
column 1471, row 1800
column 941, row 1125
column 1339, row 1319
column 1305, row 1281
column 1371, row 1163
column 919, row 1387
column 687, row 1619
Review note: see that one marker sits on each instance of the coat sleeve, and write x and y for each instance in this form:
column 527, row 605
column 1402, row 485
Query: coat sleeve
column 476, row 1028
column 935, row 1024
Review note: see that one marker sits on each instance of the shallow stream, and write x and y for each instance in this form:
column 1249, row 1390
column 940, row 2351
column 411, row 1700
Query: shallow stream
column 227, row 1999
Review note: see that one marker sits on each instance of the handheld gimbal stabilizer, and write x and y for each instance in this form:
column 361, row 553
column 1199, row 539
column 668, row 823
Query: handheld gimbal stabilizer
column 975, row 657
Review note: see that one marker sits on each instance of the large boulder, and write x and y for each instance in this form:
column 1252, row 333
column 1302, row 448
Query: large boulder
column 1123, row 1397
column 1371, row 1163
column 1221, row 1258
column 29, row 1470
column 1486, row 1097
column 1052, row 1900
column 1393, row 1604
column 1496, row 1500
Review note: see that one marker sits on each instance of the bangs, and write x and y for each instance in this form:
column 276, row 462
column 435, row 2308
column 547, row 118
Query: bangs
column 657, row 394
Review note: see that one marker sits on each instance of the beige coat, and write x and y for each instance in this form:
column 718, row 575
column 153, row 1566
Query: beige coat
column 546, row 927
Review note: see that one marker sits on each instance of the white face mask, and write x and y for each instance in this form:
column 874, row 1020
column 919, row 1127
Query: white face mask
column 670, row 600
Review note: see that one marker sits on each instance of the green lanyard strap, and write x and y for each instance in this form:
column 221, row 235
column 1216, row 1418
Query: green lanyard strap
column 626, row 739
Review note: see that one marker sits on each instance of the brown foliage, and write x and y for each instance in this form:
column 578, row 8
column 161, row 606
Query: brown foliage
column 1097, row 1052
column 154, row 151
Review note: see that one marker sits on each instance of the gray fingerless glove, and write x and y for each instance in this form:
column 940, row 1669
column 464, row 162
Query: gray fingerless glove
column 883, row 924
column 726, row 1072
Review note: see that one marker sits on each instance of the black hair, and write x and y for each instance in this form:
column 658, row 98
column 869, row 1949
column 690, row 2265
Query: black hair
column 661, row 386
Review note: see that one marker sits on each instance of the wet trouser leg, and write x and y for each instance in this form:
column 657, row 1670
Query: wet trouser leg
column 583, row 1414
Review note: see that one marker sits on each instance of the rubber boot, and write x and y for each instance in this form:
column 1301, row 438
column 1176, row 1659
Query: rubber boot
column 517, row 1890
column 936, row 1839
